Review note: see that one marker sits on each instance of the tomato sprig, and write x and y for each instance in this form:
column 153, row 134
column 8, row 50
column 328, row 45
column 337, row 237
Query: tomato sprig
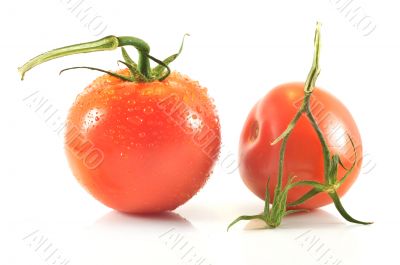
column 273, row 214
column 138, row 72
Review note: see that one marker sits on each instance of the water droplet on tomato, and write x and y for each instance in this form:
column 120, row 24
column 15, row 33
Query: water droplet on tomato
column 135, row 120
column 142, row 134
column 148, row 110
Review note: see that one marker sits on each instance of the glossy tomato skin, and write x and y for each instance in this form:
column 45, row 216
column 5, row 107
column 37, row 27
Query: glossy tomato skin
column 303, row 159
column 143, row 147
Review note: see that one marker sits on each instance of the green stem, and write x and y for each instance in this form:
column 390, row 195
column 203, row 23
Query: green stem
column 336, row 200
column 282, row 150
column 105, row 44
column 278, row 210
column 305, row 108
column 325, row 149
column 308, row 89
column 143, row 50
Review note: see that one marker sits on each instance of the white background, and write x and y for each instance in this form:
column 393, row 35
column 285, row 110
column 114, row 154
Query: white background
column 239, row 50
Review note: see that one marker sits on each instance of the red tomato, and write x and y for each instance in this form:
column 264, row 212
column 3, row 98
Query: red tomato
column 143, row 147
column 270, row 117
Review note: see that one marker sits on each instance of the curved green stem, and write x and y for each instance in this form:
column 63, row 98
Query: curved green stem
column 305, row 107
column 325, row 148
column 305, row 197
column 143, row 50
column 291, row 125
column 158, row 70
column 336, row 200
column 308, row 89
column 105, row 44
column 125, row 78
column 285, row 137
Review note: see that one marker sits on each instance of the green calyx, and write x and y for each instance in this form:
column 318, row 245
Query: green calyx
column 273, row 214
column 138, row 72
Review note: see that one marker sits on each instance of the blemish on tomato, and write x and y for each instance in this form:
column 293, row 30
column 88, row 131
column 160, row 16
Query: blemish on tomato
column 254, row 131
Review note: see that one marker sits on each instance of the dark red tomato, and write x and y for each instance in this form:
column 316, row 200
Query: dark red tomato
column 270, row 117
column 143, row 147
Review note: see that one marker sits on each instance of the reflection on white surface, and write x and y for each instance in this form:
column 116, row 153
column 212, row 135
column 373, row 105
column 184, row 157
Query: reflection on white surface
column 317, row 237
column 165, row 238
column 115, row 219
